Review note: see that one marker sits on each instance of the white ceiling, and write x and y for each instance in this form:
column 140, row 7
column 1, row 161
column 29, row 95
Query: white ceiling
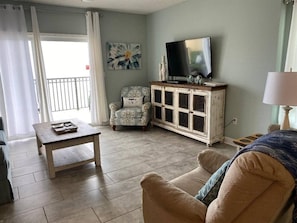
column 129, row 6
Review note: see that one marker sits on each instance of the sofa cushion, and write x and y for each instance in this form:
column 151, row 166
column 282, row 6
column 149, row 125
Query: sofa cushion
column 127, row 113
column 210, row 190
column 211, row 160
column 132, row 101
column 192, row 181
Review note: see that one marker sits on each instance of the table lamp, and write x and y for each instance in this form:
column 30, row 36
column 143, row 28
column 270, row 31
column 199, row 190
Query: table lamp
column 281, row 89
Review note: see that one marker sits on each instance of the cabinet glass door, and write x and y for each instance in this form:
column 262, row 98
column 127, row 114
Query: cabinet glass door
column 168, row 109
column 158, row 112
column 158, row 96
column 168, row 98
column 183, row 114
column 198, row 123
column 183, row 119
column 183, row 100
column 157, row 103
column 198, row 104
column 169, row 115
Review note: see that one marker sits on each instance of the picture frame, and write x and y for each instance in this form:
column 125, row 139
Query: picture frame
column 123, row 56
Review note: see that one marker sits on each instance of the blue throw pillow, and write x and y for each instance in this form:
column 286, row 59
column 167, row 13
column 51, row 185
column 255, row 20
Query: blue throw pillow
column 210, row 190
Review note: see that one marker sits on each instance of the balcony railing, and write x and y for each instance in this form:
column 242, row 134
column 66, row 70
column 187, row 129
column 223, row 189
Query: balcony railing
column 69, row 93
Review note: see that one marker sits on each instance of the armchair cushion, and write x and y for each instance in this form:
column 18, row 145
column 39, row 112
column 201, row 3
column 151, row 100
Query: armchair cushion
column 132, row 101
column 133, row 112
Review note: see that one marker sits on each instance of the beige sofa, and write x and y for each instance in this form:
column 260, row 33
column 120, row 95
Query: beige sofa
column 255, row 189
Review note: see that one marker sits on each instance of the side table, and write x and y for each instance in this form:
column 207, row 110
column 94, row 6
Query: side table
column 244, row 141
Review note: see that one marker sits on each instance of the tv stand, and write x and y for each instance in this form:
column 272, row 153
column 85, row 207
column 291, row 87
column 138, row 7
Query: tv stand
column 195, row 111
column 175, row 82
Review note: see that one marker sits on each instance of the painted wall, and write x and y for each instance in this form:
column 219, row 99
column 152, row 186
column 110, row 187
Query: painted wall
column 120, row 27
column 244, row 38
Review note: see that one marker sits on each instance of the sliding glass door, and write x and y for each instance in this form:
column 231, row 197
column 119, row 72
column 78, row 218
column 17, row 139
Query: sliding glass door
column 66, row 63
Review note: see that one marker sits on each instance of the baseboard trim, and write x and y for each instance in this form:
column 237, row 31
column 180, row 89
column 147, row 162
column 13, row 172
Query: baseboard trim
column 229, row 141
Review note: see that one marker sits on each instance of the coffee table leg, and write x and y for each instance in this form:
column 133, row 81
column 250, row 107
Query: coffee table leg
column 39, row 145
column 50, row 161
column 97, row 150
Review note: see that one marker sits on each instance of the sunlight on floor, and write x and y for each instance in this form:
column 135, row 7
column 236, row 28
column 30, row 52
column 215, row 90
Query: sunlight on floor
column 82, row 114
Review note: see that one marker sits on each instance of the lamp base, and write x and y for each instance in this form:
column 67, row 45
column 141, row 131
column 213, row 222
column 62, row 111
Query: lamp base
column 286, row 122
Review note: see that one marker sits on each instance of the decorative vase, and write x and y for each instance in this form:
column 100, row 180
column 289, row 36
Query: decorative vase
column 190, row 79
column 198, row 80
column 162, row 69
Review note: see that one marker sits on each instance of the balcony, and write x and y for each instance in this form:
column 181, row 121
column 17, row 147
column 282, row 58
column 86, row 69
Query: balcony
column 70, row 97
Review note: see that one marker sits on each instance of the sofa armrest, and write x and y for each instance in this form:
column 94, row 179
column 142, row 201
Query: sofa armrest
column 255, row 189
column 163, row 202
column 114, row 106
column 211, row 160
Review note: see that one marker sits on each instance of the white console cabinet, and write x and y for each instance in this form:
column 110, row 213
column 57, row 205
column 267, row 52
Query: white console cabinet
column 191, row 110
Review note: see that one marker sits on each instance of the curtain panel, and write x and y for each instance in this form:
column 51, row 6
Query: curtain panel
column 98, row 101
column 42, row 88
column 18, row 102
column 291, row 62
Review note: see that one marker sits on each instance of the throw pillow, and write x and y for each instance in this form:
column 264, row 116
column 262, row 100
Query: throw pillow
column 211, row 189
column 132, row 102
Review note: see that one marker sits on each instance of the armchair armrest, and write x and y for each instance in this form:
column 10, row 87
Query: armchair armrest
column 169, row 203
column 115, row 106
column 146, row 106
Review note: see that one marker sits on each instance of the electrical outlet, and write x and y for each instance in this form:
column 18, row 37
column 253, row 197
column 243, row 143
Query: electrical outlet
column 235, row 121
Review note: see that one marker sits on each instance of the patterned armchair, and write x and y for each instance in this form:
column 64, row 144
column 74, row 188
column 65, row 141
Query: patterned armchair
column 133, row 109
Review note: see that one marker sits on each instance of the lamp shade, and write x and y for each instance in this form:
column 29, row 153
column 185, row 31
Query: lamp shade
column 281, row 88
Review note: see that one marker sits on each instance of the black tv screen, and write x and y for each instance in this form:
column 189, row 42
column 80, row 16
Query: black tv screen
column 189, row 57
column 177, row 59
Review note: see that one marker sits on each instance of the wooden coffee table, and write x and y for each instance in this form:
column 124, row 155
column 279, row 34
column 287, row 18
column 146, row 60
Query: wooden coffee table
column 46, row 136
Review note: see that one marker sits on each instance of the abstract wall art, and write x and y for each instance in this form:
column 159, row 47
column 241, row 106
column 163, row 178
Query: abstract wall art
column 123, row 56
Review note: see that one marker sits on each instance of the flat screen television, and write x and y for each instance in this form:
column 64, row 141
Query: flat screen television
column 189, row 57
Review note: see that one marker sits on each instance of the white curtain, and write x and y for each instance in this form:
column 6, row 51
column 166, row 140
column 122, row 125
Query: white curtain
column 42, row 88
column 291, row 62
column 18, row 105
column 291, row 59
column 99, row 109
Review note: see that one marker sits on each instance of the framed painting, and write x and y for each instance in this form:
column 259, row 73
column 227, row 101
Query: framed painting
column 123, row 56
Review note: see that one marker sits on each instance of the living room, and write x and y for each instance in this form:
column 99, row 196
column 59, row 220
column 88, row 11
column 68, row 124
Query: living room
column 245, row 47
column 245, row 39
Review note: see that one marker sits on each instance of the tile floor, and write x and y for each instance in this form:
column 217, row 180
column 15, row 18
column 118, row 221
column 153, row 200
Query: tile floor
column 110, row 194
